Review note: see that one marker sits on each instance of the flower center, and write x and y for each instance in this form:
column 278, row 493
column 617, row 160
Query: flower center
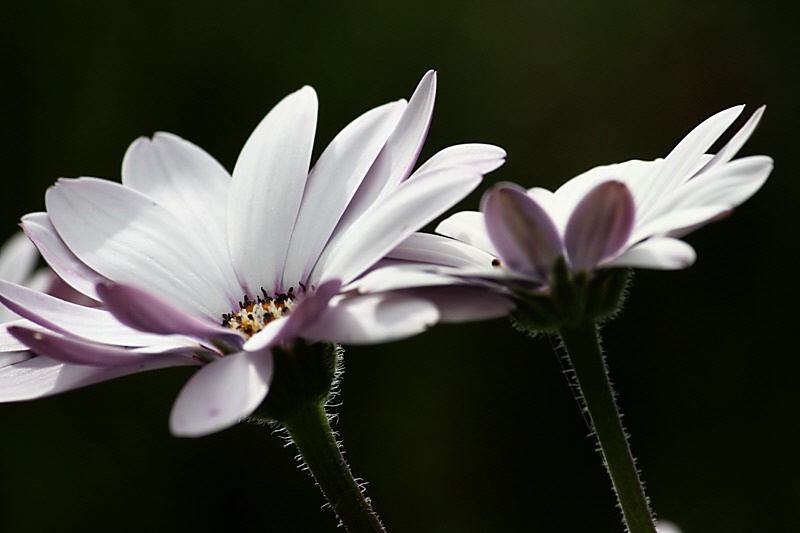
column 253, row 316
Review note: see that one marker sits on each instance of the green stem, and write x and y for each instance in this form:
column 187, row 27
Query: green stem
column 312, row 434
column 582, row 342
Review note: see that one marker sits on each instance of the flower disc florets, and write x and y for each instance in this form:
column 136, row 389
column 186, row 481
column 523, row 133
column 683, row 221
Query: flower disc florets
column 254, row 315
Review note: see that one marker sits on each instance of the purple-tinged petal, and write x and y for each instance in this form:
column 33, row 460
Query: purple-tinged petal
column 403, row 276
column 64, row 263
column 42, row 376
column 267, row 187
column 600, row 225
column 524, row 235
column 221, row 394
column 91, row 323
column 189, row 183
column 482, row 157
column 308, row 311
column 373, row 319
column 144, row 311
column 75, row 351
column 660, row 253
column 12, row 358
column 466, row 303
column 413, row 204
column 332, row 183
column 468, row 227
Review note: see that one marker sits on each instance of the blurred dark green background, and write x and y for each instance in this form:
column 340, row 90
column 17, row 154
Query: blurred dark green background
column 467, row 428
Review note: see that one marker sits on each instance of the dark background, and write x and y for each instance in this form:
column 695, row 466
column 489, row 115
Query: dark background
column 467, row 428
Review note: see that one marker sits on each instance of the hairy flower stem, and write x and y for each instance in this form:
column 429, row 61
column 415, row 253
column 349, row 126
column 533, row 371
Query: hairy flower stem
column 582, row 342
column 311, row 432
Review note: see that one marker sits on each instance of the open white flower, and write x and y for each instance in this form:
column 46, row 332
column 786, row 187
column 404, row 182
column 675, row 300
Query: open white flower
column 194, row 266
column 630, row 214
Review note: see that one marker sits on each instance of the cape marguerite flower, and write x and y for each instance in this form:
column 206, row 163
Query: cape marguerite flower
column 630, row 214
column 194, row 266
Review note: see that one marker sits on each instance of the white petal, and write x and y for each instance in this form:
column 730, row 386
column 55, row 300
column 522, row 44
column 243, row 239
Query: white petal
column 189, row 183
column 675, row 223
column 267, row 187
column 128, row 238
column 468, row 227
column 467, row 303
column 221, row 394
column 41, row 376
column 682, row 161
column 733, row 146
column 373, row 319
column 438, row 250
column 482, row 157
column 332, row 184
column 661, row 253
column 17, row 259
column 64, row 263
column 397, row 277
column 412, row 205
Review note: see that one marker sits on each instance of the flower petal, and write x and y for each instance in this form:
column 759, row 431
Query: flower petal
column 188, row 183
column 680, row 164
column 438, row 250
column 482, row 157
column 733, row 146
column 128, row 238
column 373, row 319
column 466, row 303
column 144, row 311
column 523, row 233
column 266, row 190
column 17, row 259
column 413, row 204
column 332, row 183
column 64, row 263
column 42, row 376
column 659, row 253
column 221, row 394
column 600, row 225
column 75, row 351
column 468, row 227
column 91, row 323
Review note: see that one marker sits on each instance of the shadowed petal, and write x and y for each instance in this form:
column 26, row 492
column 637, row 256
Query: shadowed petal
column 372, row 319
column 18, row 259
column 600, row 225
column 523, row 233
column 468, row 227
column 221, row 394
column 42, row 376
column 466, row 303
column 64, row 263
column 438, row 250
column 144, row 311
column 76, row 351
column 268, row 182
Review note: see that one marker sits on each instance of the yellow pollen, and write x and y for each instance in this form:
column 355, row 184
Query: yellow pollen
column 253, row 316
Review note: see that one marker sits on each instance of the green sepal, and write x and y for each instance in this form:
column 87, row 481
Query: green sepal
column 572, row 297
column 303, row 374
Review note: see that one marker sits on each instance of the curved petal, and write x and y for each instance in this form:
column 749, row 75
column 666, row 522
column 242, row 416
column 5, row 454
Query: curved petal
column 523, row 233
column 128, row 238
column 17, row 259
column 466, row 303
column 144, row 311
column 413, row 204
column 675, row 223
column 600, row 225
column 403, row 276
column 75, row 351
column 373, row 319
column 91, row 323
column 332, row 183
column 42, row 376
column 660, row 253
column 733, row 146
column 266, row 190
column 64, row 263
column 221, row 394
column 468, row 227
column 438, row 250
column 12, row 358
column 188, row 183
column 482, row 157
